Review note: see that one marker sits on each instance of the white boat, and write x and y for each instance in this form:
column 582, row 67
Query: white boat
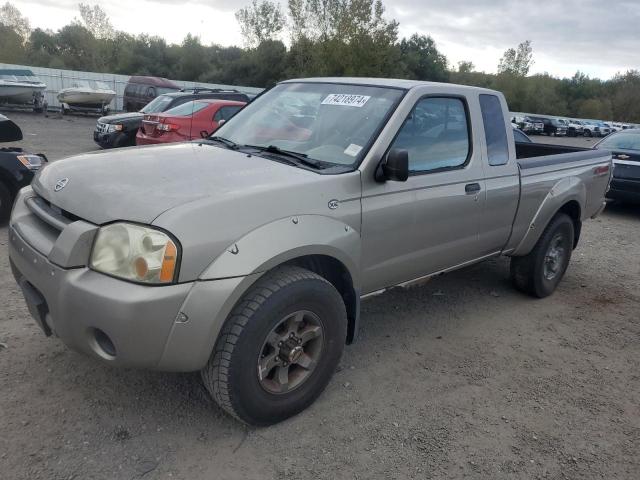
column 86, row 94
column 20, row 87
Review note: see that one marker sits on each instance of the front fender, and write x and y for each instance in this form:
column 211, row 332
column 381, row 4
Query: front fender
column 282, row 240
column 565, row 190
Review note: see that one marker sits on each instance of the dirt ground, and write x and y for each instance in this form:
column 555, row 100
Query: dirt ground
column 461, row 377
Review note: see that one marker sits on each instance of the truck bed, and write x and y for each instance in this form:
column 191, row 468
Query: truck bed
column 529, row 150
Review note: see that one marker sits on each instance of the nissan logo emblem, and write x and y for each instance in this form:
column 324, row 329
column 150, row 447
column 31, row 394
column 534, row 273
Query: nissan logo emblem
column 60, row 184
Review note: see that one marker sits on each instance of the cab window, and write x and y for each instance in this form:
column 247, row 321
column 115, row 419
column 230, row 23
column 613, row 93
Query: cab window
column 494, row 130
column 436, row 135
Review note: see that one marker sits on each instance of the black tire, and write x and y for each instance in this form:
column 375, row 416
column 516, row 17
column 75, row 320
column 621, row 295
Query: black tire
column 528, row 273
column 6, row 201
column 231, row 375
column 587, row 133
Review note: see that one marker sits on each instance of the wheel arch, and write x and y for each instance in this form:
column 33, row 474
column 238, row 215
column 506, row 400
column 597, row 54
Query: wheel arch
column 566, row 196
column 323, row 245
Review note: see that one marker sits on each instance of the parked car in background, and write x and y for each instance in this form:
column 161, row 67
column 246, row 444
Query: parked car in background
column 625, row 147
column 592, row 129
column 17, row 167
column 139, row 91
column 613, row 127
column 528, row 125
column 245, row 255
column 575, row 128
column 551, row 126
column 120, row 130
column 189, row 121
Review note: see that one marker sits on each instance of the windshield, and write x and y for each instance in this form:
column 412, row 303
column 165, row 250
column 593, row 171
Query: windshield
column 187, row 109
column 622, row 141
column 158, row 104
column 329, row 122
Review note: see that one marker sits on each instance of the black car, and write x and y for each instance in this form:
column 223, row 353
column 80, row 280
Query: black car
column 625, row 147
column 120, row 130
column 17, row 167
column 552, row 126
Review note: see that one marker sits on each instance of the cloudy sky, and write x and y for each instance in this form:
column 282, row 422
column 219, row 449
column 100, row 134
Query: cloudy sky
column 598, row 37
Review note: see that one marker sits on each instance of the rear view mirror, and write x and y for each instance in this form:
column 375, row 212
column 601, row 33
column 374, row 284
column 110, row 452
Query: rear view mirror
column 394, row 167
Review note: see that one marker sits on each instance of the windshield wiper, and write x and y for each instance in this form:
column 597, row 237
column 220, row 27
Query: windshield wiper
column 225, row 141
column 300, row 158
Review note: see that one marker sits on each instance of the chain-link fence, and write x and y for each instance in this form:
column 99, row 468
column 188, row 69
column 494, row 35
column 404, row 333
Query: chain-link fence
column 57, row 79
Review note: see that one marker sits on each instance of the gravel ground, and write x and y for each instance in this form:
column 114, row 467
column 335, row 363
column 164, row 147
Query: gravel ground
column 461, row 377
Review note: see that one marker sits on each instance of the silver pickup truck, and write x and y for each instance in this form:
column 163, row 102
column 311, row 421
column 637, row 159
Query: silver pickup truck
column 245, row 255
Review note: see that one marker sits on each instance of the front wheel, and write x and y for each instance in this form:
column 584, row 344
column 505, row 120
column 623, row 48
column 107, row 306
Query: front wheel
column 539, row 273
column 279, row 347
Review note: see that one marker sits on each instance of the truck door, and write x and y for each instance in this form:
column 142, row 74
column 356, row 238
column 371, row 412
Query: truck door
column 502, row 179
column 430, row 222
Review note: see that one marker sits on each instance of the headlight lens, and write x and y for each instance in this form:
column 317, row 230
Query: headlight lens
column 136, row 253
column 32, row 162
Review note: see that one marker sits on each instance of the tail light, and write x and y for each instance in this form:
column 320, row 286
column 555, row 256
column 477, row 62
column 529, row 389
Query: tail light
column 167, row 127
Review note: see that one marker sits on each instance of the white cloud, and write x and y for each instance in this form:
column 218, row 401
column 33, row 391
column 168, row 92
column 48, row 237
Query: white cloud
column 594, row 36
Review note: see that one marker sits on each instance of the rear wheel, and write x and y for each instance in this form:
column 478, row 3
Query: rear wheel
column 539, row 273
column 279, row 347
column 6, row 200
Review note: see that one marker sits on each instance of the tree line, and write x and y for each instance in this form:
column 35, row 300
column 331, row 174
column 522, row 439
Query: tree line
column 323, row 38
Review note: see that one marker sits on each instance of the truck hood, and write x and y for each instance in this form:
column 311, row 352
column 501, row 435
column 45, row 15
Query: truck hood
column 140, row 183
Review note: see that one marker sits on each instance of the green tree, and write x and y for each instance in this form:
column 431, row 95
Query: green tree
column 517, row 61
column 422, row 60
column 96, row 21
column 260, row 21
column 11, row 17
column 11, row 45
column 465, row 66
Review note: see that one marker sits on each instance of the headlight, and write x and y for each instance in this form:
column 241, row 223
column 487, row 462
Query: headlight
column 32, row 162
column 114, row 127
column 136, row 253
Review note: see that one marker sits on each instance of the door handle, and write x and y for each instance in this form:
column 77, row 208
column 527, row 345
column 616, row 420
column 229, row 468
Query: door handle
column 622, row 157
column 471, row 188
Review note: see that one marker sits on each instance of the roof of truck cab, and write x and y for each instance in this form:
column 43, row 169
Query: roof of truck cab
column 384, row 82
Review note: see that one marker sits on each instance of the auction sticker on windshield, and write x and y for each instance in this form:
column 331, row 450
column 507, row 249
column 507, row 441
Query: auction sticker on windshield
column 346, row 100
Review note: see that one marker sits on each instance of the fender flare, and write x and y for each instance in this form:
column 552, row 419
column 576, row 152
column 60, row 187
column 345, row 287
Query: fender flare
column 564, row 191
column 285, row 239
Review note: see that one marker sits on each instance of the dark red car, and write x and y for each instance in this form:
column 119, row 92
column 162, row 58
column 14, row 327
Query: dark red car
column 189, row 121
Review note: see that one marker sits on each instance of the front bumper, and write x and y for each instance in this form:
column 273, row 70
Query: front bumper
column 111, row 139
column 171, row 328
column 105, row 140
column 626, row 190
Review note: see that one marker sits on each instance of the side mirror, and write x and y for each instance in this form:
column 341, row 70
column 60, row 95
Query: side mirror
column 394, row 167
column 221, row 122
column 204, row 133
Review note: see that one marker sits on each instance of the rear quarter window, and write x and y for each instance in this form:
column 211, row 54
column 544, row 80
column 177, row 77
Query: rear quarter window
column 494, row 130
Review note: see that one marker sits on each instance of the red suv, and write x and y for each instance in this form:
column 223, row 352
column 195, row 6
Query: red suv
column 189, row 121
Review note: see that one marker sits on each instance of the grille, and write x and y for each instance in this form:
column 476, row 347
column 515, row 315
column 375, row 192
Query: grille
column 102, row 127
column 50, row 214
